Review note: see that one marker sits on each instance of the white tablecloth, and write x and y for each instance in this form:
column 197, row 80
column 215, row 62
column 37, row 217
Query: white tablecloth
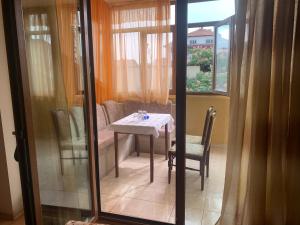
column 133, row 125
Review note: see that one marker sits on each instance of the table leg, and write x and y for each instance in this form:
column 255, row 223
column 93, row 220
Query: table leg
column 151, row 158
column 166, row 140
column 137, row 147
column 116, row 154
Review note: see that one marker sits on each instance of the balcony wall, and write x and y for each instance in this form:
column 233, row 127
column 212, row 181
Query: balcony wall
column 196, row 106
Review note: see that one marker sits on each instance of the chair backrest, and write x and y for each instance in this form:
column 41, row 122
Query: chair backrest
column 206, row 123
column 209, row 132
column 64, row 125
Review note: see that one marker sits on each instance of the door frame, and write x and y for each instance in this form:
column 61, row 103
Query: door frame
column 17, row 73
column 13, row 25
column 20, row 92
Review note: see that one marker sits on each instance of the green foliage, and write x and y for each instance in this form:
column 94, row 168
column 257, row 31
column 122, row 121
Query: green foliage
column 202, row 57
column 201, row 83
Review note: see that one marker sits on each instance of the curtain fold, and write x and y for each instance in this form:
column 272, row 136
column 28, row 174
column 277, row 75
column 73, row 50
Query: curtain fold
column 260, row 137
column 102, row 45
column 132, row 50
column 67, row 22
column 141, row 50
column 40, row 63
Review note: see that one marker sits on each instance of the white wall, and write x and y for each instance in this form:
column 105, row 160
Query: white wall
column 8, row 128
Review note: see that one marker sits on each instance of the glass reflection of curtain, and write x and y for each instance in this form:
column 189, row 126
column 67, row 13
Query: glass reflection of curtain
column 141, row 50
column 40, row 63
column 101, row 23
column 69, row 49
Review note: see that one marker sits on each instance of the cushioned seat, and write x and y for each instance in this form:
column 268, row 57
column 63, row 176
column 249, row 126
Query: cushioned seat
column 193, row 151
column 193, row 139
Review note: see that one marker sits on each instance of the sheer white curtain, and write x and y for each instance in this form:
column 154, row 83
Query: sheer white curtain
column 141, row 50
column 40, row 61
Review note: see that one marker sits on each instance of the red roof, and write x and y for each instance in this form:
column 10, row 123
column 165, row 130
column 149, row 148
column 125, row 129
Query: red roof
column 201, row 32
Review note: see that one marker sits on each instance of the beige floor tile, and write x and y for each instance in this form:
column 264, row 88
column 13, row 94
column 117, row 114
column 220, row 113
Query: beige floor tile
column 213, row 204
column 108, row 202
column 193, row 216
column 172, row 216
column 142, row 209
column 210, row 217
column 195, row 201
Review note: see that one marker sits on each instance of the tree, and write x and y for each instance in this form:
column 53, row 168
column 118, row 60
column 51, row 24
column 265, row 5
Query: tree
column 202, row 57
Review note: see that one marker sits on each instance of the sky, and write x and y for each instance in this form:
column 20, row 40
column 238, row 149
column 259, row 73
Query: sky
column 207, row 11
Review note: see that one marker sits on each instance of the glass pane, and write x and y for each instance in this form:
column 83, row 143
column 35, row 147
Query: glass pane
column 205, row 156
column 210, row 11
column 133, row 166
column 222, row 57
column 54, row 57
column 200, row 47
column 172, row 14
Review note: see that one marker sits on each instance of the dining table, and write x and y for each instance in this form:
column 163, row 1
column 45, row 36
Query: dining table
column 137, row 124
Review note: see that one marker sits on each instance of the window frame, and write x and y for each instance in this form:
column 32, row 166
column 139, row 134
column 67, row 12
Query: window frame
column 227, row 21
column 215, row 24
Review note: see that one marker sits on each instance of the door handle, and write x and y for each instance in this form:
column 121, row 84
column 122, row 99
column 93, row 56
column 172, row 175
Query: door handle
column 19, row 137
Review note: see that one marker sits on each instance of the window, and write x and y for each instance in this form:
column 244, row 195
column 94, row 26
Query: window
column 208, row 46
column 222, row 57
column 200, row 60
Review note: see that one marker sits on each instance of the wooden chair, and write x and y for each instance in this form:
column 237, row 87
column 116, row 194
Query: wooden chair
column 66, row 141
column 194, row 139
column 196, row 151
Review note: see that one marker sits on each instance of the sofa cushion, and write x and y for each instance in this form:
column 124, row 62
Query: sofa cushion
column 133, row 106
column 102, row 120
column 114, row 110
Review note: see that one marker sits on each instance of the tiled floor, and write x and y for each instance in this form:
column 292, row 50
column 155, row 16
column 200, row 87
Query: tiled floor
column 19, row 221
column 131, row 194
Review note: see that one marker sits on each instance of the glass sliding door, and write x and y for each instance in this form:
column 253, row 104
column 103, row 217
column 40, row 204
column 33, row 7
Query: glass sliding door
column 207, row 108
column 58, row 116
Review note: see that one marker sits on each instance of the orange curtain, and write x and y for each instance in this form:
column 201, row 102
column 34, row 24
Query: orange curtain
column 102, row 43
column 68, row 34
column 132, row 50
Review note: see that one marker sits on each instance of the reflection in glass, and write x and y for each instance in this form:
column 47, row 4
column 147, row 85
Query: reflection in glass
column 222, row 57
column 54, row 59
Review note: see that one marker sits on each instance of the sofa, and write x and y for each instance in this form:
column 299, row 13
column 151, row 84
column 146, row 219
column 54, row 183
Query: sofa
column 107, row 113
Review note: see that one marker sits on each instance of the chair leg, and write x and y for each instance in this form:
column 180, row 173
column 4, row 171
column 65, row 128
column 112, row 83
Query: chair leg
column 170, row 164
column 202, row 168
column 61, row 162
column 207, row 166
